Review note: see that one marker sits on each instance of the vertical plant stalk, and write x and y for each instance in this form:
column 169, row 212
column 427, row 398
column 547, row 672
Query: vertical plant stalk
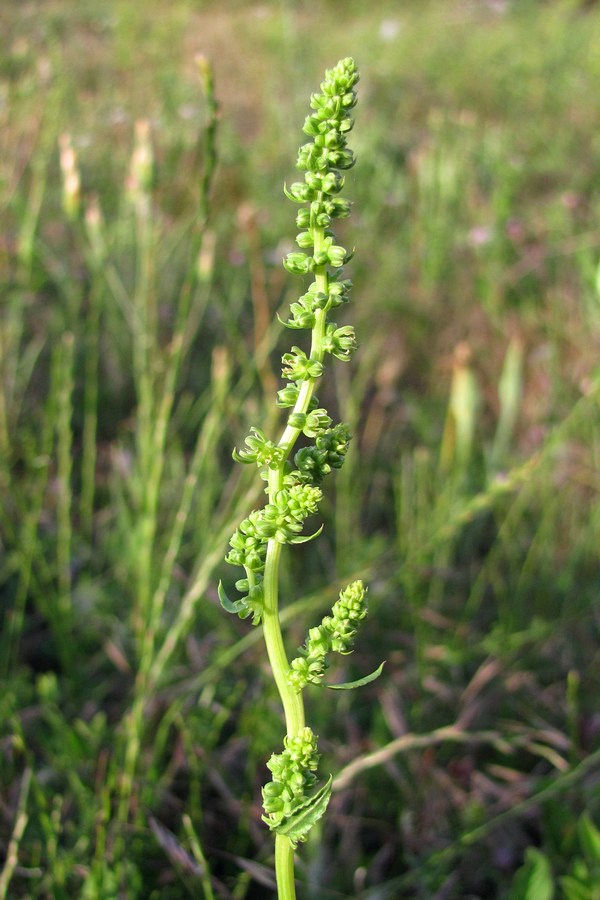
column 291, row 800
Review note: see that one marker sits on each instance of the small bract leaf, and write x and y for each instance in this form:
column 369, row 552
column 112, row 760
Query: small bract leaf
column 229, row 605
column 350, row 685
column 304, row 538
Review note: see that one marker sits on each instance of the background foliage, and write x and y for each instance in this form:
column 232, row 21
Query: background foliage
column 138, row 342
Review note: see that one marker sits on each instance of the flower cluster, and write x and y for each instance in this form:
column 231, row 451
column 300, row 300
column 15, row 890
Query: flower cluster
column 321, row 160
column 340, row 342
column 335, row 633
column 328, row 452
column 293, row 773
column 311, row 424
column 282, row 521
column 298, row 367
column 282, row 518
column 303, row 311
column 259, row 450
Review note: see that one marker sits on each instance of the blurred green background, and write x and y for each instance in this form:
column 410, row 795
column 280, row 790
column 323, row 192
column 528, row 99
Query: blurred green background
column 140, row 276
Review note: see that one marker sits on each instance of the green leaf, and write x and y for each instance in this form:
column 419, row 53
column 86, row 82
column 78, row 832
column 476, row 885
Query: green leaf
column 297, row 826
column 589, row 838
column 229, row 605
column 304, row 538
column 533, row 881
column 350, row 685
column 574, row 889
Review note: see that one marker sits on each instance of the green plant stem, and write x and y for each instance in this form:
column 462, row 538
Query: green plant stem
column 292, row 700
column 307, row 389
column 293, row 705
column 284, row 868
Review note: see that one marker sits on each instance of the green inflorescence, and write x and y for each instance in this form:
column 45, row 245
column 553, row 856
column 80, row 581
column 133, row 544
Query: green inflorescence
column 292, row 802
column 335, row 633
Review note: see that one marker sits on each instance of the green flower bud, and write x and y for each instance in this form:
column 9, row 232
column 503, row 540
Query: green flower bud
column 298, row 367
column 273, row 523
column 248, row 549
column 287, row 396
column 299, row 192
column 314, row 181
column 334, row 444
column 313, row 127
column 299, row 263
column 297, row 420
column 334, row 140
column 336, row 256
column 322, row 220
column 259, row 450
column 255, row 603
column 300, row 674
column 341, row 342
column 318, row 643
column 338, row 207
column 273, row 790
column 301, row 316
column 305, row 239
column 313, row 157
column 333, row 182
column 316, row 422
column 342, row 159
column 303, row 218
column 303, row 500
column 312, row 465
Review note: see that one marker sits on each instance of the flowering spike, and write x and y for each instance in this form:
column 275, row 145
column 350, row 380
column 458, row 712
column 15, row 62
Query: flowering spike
column 294, row 475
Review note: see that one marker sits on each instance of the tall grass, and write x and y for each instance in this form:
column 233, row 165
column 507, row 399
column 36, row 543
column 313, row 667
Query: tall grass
column 133, row 353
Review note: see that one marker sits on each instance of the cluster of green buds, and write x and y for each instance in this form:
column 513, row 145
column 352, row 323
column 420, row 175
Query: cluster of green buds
column 336, row 632
column 293, row 776
column 294, row 475
column 281, row 520
column 289, row 810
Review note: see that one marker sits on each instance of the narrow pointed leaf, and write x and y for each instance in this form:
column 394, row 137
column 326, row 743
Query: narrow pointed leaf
column 350, row 685
column 229, row 605
column 287, row 324
column 304, row 538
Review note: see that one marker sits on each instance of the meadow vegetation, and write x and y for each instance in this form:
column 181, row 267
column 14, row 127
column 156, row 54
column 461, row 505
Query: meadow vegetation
column 143, row 228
